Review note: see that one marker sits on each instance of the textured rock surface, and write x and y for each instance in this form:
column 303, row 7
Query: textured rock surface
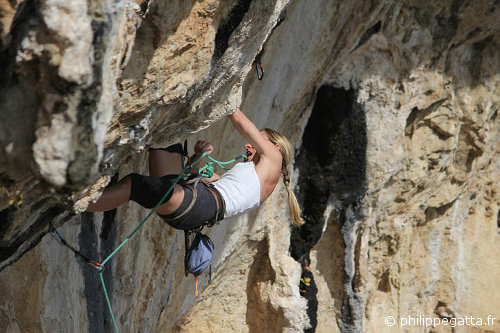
column 393, row 109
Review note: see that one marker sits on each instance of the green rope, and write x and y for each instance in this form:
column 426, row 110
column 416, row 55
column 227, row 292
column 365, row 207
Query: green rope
column 176, row 180
column 107, row 300
column 183, row 174
column 208, row 170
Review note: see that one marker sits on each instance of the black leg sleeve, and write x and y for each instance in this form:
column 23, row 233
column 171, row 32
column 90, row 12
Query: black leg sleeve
column 147, row 191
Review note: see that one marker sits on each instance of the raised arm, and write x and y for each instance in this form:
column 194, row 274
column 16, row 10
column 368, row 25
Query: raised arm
column 250, row 132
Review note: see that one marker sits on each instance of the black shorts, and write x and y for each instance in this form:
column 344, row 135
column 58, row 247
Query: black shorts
column 147, row 192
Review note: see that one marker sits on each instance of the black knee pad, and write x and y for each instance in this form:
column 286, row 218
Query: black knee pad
column 148, row 191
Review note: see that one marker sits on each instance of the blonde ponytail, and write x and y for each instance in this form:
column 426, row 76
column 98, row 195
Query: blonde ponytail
column 292, row 200
column 286, row 152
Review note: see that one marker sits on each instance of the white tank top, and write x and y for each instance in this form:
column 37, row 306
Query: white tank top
column 240, row 188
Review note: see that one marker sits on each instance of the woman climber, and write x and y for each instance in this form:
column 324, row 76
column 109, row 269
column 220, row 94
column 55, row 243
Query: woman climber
column 244, row 187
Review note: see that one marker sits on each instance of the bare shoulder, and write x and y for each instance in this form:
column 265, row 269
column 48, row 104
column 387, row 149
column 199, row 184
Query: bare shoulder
column 269, row 166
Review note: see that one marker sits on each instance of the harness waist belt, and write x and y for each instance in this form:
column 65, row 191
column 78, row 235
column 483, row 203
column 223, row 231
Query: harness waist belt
column 221, row 204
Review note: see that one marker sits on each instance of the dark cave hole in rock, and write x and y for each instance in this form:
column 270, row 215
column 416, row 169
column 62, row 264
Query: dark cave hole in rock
column 369, row 33
column 331, row 160
column 332, row 163
column 498, row 221
column 6, row 218
column 39, row 223
column 144, row 7
column 227, row 27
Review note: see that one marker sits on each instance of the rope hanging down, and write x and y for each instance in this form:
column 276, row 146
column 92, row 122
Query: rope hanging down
column 205, row 171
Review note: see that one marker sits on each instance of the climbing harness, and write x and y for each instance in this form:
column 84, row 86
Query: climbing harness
column 205, row 171
column 198, row 253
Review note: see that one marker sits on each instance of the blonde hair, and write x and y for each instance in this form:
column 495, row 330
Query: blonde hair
column 286, row 152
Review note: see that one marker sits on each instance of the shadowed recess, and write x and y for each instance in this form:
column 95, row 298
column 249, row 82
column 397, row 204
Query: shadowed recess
column 87, row 241
column 261, row 316
column 227, row 27
column 369, row 33
column 7, row 216
column 97, row 247
column 39, row 223
column 498, row 220
column 331, row 160
column 332, row 164
column 108, row 238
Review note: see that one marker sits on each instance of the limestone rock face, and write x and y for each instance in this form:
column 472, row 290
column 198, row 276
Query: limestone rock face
column 393, row 111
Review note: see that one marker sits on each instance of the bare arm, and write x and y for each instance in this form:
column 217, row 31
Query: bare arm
column 250, row 132
column 268, row 162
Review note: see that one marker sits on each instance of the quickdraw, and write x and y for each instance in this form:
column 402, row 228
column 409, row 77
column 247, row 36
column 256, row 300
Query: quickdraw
column 60, row 239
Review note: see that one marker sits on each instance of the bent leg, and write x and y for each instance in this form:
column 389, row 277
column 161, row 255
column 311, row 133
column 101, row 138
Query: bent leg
column 166, row 161
column 162, row 163
column 112, row 197
column 146, row 191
